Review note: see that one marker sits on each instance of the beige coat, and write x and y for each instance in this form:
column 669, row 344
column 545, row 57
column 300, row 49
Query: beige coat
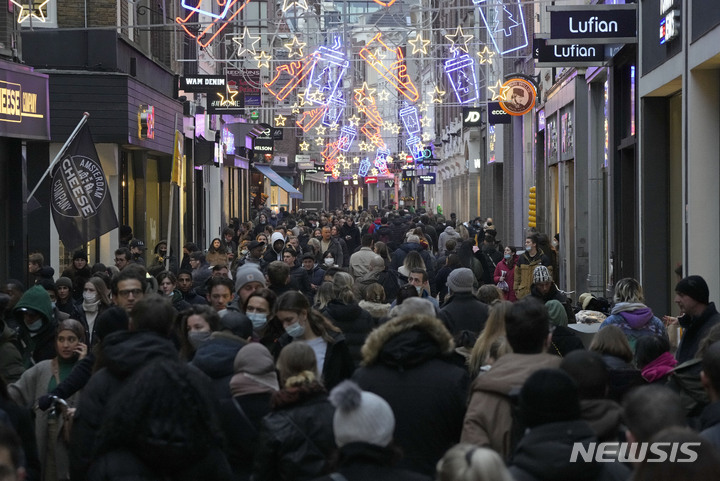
column 25, row 392
column 489, row 417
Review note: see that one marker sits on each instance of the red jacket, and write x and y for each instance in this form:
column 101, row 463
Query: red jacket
column 509, row 277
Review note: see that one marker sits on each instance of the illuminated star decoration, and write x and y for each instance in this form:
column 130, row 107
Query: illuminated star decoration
column 320, row 130
column 295, row 48
column 419, row 44
column 499, row 92
column 304, row 145
column 246, row 46
column 356, row 160
column 354, row 120
column 384, row 95
column 333, row 127
column 319, row 141
column 295, row 108
column 287, row 4
column 365, row 93
column 227, row 102
column 459, row 40
column 36, row 12
column 280, row 120
column 422, row 107
column 263, row 60
column 437, row 96
column 425, row 121
column 426, row 137
column 486, row 55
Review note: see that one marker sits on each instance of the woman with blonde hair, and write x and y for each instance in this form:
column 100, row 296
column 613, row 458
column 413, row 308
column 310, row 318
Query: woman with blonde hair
column 467, row 462
column 492, row 338
column 296, row 437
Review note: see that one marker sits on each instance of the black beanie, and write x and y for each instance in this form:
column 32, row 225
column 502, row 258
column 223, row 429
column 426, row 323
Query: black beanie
column 80, row 254
column 549, row 396
column 109, row 321
column 695, row 287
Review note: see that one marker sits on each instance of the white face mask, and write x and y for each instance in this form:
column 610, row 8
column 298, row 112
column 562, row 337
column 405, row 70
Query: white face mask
column 90, row 296
column 329, row 261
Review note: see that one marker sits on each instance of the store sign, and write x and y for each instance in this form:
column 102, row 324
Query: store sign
column 427, row 179
column 371, row 180
column 146, row 122
column 593, row 24
column 574, row 55
column 669, row 26
column 247, row 83
column 263, row 146
column 228, row 103
column 496, row 115
column 203, row 83
column 472, row 117
column 24, row 106
column 521, row 96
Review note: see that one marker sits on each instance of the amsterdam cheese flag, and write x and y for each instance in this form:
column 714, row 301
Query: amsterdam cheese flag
column 177, row 166
column 82, row 207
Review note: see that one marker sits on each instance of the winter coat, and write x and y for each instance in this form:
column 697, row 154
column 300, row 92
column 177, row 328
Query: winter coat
column 685, row 381
column 636, row 320
column 271, row 253
column 464, row 312
column 398, row 257
column 604, row 417
column 24, row 425
column 355, row 322
column 489, row 257
column 124, row 353
column 41, row 345
column 695, row 329
column 351, row 235
column 376, row 310
column 192, row 297
column 488, row 421
column 368, row 462
column 623, row 377
column 335, row 249
column 215, row 358
column 360, row 262
column 564, row 340
column 544, row 453
column 296, row 438
column 33, row 384
column 710, row 424
column 509, row 278
column 441, row 281
column 406, row 363
column 178, row 463
column 78, row 277
column 555, row 294
column 11, row 362
column 448, row 233
column 523, row 276
column 387, row 278
column 339, row 364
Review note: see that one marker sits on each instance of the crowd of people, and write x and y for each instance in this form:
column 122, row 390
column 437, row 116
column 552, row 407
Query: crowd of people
column 370, row 345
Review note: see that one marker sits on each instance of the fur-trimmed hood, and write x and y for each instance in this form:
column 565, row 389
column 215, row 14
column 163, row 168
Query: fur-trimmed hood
column 375, row 309
column 407, row 341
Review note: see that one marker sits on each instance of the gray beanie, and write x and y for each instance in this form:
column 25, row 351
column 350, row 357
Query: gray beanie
column 64, row 282
column 361, row 416
column 248, row 273
column 461, row 280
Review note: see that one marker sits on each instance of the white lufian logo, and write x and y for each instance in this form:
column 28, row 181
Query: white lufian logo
column 634, row 452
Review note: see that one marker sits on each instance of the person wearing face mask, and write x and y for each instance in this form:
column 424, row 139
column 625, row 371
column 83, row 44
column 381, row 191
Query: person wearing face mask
column 194, row 327
column 96, row 300
column 35, row 326
column 505, row 272
column 303, row 323
column 258, row 307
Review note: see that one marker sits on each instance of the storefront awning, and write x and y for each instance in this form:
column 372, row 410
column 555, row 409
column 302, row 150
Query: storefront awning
column 282, row 183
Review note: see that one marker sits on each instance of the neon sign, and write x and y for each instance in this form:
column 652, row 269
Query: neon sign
column 501, row 23
column 287, row 4
column 347, row 136
column 409, row 116
column 364, row 167
column 397, row 74
column 32, row 10
column 366, row 103
column 459, row 36
column 437, row 95
column 146, row 122
column 415, row 146
column 419, row 44
column 295, row 48
column 220, row 20
column 381, row 160
column 326, row 74
column 310, row 118
column 333, row 112
column 296, row 71
column 461, row 72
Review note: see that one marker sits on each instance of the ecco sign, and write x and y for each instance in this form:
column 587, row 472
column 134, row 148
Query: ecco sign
column 593, row 24
column 496, row 115
column 471, row 117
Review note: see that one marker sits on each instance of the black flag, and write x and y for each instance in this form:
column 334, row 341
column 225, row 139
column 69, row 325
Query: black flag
column 81, row 204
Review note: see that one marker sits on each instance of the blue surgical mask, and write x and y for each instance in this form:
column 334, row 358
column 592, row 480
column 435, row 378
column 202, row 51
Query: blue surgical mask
column 508, row 256
column 295, row 330
column 258, row 319
column 35, row 326
column 419, row 290
column 53, row 304
column 198, row 338
column 527, row 248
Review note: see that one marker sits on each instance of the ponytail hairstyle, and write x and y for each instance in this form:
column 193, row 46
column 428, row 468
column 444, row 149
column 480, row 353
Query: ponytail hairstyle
column 342, row 288
column 297, row 365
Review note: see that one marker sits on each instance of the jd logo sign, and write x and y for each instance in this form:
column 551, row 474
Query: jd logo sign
column 471, row 117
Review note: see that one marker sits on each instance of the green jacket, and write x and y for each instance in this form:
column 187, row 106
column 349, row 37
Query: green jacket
column 39, row 345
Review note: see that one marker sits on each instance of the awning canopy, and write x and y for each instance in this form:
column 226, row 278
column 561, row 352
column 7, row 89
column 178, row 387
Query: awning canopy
column 282, row 183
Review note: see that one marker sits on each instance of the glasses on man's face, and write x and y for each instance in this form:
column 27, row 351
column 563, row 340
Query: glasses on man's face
column 127, row 292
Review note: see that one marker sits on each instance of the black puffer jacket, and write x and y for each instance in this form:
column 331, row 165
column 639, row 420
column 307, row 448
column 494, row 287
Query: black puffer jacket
column 367, row 462
column 215, row 358
column 464, row 312
column 406, row 363
column 355, row 322
column 124, row 353
column 544, row 453
column 296, row 438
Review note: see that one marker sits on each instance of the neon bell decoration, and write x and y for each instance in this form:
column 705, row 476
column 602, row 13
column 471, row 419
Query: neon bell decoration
column 461, row 73
column 226, row 12
column 503, row 23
